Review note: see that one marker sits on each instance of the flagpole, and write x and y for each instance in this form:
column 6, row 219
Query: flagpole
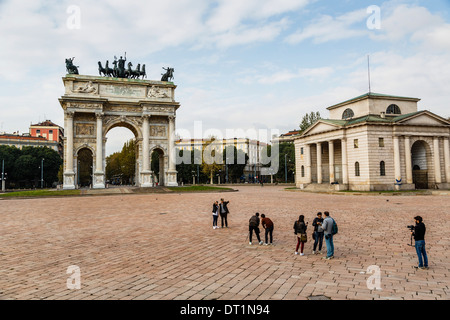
column 368, row 72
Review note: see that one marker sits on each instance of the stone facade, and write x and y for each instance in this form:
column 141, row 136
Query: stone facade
column 371, row 144
column 95, row 105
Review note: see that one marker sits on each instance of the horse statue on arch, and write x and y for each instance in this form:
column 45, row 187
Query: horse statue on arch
column 71, row 69
column 168, row 76
column 109, row 72
column 143, row 74
column 101, row 70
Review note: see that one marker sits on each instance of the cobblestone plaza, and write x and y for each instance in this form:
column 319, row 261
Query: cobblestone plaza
column 163, row 246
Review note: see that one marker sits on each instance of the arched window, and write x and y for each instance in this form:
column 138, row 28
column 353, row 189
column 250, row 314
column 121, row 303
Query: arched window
column 303, row 171
column 393, row 109
column 348, row 114
column 357, row 172
column 382, row 169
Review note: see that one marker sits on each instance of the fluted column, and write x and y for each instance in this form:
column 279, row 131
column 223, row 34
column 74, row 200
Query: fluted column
column 146, row 143
column 344, row 161
column 99, row 140
column 69, row 174
column 172, row 172
column 408, row 161
column 319, row 163
column 172, row 164
column 447, row 159
column 331, row 160
column 437, row 161
column 397, row 165
column 69, row 136
column 308, row 164
column 99, row 175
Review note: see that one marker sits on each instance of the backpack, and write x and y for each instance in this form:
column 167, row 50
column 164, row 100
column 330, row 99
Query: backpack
column 253, row 222
column 334, row 228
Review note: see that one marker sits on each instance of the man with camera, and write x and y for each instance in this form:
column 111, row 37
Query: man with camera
column 419, row 236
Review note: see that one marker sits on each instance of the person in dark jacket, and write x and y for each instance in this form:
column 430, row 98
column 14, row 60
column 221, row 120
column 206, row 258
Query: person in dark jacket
column 318, row 232
column 223, row 211
column 253, row 225
column 419, row 237
column 267, row 224
column 300, row 230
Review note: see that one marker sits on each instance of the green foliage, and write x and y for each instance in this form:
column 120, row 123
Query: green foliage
column 121, row 166
column 23, row 166
column 286, row 158
column 308, row 120
column 235, row 168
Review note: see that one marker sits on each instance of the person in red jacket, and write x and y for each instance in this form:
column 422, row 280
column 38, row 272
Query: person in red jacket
column 267, row 224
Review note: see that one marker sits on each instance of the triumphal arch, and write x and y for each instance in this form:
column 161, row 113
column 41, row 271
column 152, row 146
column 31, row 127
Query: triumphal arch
column 93, row 105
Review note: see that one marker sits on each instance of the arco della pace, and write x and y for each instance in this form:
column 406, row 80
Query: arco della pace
column 94, row 105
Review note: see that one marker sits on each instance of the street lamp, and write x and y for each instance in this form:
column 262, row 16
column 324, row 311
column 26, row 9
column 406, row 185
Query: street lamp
column 42, row 173
column 285, row 167
column 3, row 176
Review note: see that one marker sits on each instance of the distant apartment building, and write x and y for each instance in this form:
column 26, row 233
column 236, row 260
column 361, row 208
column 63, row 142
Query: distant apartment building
column 26, row 140
column 288, row 137
column 51, row 132
column 253, row 149
column 43, row 134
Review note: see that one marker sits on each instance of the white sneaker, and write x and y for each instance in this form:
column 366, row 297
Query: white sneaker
column 260, row 243
column 250, row 243
column 296, row 253
column 314, row 252
column 302, row 254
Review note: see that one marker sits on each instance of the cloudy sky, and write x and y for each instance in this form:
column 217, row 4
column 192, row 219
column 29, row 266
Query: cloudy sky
column 239, row 64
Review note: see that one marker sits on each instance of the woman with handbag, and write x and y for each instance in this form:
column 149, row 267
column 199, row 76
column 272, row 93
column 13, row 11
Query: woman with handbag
column 300, row 231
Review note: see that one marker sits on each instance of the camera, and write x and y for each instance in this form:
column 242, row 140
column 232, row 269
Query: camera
column 411, row 228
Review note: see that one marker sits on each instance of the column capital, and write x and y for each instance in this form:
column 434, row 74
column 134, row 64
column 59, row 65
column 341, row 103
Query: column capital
column 70, row 114
column 146, row 116
column 99, row 115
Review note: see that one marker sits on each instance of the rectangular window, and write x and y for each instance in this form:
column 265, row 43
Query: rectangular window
column 381, row 142
column 301, row 150
column 355, row 143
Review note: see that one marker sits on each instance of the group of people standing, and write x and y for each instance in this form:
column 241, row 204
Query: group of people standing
column 222, row 210
column 324, row 227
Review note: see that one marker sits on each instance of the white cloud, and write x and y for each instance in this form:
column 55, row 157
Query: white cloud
column 310, row 74
column 328, row 28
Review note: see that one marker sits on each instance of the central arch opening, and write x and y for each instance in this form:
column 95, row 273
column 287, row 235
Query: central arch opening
column 421, row 162
column 121, row 156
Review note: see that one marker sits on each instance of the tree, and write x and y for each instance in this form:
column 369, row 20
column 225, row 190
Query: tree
column 308, row 120
column 23, row 165
column 286, row 159
column 210, row 155
column 122, row 164
column 235, row 168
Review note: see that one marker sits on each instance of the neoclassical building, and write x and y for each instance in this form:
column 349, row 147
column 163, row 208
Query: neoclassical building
column 375, row 142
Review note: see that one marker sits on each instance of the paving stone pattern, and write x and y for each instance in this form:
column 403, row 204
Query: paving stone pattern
column 163, row 246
